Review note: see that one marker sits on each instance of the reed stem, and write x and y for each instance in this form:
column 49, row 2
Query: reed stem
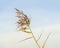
column 34, row 38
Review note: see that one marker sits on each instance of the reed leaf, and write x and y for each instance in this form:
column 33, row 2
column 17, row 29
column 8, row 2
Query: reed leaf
column 27, row 32
column 25, row 39
column 39, row 36
column 46, row 40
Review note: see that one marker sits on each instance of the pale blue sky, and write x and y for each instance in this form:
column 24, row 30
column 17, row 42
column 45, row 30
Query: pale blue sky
column 42, row 12
column 45, row 15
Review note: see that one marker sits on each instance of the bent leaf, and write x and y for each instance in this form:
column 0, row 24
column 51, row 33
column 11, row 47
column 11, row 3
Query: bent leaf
column 39, row 36
column 25, row 39
column 27, row 32
column 46, row 40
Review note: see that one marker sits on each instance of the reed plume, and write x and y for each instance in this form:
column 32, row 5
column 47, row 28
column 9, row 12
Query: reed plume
column 24, row 26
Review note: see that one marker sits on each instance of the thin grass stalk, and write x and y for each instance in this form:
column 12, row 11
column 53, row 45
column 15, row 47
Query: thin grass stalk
column 34, row 38
column 39, row 36
column 46, row 40
column 25, row 39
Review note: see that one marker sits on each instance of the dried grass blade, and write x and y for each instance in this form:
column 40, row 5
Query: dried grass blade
column 46, row 40
column 25, row 39
column 39, row 36
column 27, row 32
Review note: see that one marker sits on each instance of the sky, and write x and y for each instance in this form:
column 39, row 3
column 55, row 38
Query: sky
column 45, row 17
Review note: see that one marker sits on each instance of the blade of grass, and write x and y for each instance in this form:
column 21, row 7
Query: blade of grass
column 25, row 39
column 39, row 36
column 34, row 38
column 27, row 32
column 46, row 40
